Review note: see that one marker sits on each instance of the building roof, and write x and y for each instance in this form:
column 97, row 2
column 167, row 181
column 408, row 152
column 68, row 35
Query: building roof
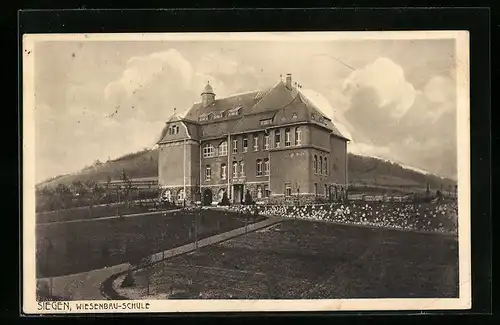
column 244, row 112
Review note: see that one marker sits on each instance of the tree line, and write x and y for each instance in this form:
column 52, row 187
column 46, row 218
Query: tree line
column 91, row 193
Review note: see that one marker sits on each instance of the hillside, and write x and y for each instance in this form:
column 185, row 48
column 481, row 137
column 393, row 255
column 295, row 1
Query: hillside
column 362, row 171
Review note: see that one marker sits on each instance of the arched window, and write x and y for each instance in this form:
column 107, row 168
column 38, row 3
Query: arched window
column 167, row 195
column 320, row 168
column 181, row 195
column 221, row 194
column 235, row 169
column 208, row 172
column 259, row 192
column 223, row 148
column 266, row 166
column 315, row 163
column 325, row 167
column 298, row 136
column 288, row 140
column 223, row 171
column 259, row 167
column 277, row 138
column 242, row 168
column 208, row 150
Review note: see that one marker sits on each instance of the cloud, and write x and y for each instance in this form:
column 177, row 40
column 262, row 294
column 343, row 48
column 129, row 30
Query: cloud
column 376, row 106
column 218, row 63
column 389, row 118
column 388, row 81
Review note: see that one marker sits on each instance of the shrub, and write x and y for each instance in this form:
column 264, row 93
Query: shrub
column 129, row 280
column 225, row 200
column 42, row 290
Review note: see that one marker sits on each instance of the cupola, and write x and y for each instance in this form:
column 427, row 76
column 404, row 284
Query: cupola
column 208, row 95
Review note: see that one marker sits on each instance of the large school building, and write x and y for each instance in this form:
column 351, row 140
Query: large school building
column 273, row 142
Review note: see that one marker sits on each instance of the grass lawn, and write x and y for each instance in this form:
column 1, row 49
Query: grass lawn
column 83, row 246
column 310, row 260
column 81, row 213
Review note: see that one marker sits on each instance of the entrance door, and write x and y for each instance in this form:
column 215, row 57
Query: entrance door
column 207, row 197
column 237, row 193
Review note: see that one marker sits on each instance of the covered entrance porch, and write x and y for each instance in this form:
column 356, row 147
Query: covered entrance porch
column 237, row 193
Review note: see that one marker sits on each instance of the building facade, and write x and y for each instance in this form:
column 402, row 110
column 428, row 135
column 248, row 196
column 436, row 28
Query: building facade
column 273, row 142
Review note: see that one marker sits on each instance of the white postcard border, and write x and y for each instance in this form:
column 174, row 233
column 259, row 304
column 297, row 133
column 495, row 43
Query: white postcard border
column 29, row 303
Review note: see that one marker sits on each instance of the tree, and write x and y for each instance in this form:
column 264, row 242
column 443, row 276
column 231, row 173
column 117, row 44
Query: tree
column 126, row 187
column 225, row 199
column 46, row 199
column 64, row 194
column 248, row 198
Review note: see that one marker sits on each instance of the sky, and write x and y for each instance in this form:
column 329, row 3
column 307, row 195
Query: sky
column 395, row 99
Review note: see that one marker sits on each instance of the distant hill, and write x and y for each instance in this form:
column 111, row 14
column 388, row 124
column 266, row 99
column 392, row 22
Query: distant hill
column 363, row 170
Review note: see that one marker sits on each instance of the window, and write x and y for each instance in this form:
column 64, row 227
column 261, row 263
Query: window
column 219, row 115
column 180, row 194
column 320, row 168
column 167, row 196
column 277, row 138
column 235, row 146
column 223, row 171
column 266, row 166
column 325, row 167
column 266, row 191
column 298, row 136
column 242, row 168
column 235, row 169
column 326, row 190
column 223, row 148
column 315, row 189
column 294, row 115
column 174, row 129
column 259, row 167
column 255, row 142
column 259, row 192
column 235, row 110
column 221, row 194
column 208, row 150
column 315, row 164
column 204, row 117
column 208, row 172
column 287, row 138
column 266, row 121
column 245, row 143
column 266, row 142
column 288, row 189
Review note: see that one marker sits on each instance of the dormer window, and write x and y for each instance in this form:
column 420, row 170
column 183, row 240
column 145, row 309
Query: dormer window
column 235, row 110
column 174, row 129
column 266, row 121
column 204, row 117
column 218, row 115
column 294, row 115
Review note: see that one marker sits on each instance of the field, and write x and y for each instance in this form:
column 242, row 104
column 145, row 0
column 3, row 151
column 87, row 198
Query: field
column 67, row 248
column 309, row 260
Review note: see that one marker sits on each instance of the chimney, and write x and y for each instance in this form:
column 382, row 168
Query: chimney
column 289, row 80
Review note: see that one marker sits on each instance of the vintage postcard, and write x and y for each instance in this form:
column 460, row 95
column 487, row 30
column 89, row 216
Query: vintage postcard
column 234, row 172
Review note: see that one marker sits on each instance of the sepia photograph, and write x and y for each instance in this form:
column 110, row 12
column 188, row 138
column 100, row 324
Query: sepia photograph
column 276, row 171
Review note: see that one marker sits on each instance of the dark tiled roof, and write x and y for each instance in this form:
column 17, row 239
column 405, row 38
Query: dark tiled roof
column 279, row 103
